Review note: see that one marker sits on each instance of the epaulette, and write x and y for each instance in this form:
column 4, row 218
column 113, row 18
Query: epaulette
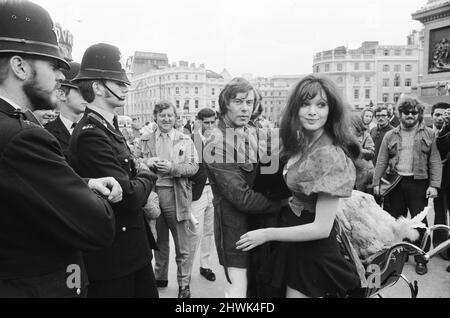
column 103, row 122
column 98, row 118
column 88, row 127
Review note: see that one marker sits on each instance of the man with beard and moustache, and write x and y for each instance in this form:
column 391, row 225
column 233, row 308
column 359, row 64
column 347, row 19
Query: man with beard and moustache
column 410, row 151
column 383, row 126
column 98, row 148
column 48, row 213
column 440, row 113
column 71, row 105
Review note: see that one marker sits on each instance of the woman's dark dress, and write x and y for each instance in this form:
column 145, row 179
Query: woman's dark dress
column 315, row 268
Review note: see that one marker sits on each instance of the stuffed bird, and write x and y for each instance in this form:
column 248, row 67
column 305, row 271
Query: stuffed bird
column 371, row 229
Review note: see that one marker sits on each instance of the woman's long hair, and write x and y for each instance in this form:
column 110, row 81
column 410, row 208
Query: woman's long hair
column 337, row 125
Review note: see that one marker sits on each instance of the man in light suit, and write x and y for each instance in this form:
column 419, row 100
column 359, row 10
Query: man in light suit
column 172, row 154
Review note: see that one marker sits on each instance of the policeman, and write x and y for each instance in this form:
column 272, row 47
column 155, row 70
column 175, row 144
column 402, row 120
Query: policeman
column 98, row 148
column 48, row 213
column 71, row 106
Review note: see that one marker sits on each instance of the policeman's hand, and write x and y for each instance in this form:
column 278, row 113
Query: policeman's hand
column 108, row 187
column 376, row 190
column 432, row 193
column 164, row 166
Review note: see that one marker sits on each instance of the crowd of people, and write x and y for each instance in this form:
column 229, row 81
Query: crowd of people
column 74, row 192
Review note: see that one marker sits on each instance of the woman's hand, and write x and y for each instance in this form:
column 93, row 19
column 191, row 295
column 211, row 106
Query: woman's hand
column 252, row 239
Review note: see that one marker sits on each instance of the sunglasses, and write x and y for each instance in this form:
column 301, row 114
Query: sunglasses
column 407, row 112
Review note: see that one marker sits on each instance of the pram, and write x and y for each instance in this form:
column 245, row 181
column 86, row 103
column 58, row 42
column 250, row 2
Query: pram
column 389, row 263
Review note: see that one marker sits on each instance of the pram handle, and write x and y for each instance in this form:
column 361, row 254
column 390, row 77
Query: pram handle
column 417, row 250
column 430, row 232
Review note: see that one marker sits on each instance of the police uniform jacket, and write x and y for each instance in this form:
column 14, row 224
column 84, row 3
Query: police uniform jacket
column 57, row 129
column 48, row 213
column 97, row 149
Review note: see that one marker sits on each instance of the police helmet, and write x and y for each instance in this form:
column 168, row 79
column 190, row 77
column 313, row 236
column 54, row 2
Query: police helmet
column 102, row 62
column 26, row 28
column 70, row 74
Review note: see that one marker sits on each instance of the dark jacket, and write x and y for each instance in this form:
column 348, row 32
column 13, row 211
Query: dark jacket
column 443, row 144
column 234, row 199
column 377, row 135
column 48, row 213
column 57, row 129
column 96, row 149
column 199, row 179
column 394, row 121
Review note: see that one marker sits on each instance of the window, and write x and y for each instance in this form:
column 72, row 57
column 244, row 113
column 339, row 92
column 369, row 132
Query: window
column 168, row 90
column 385, row 82
column 386, row 68
column 177, row 90
column 176, row 77
column 356, row 93
column 397, row 52
column 196, row 77
column 367, row 95
column 196, row 103
column 213, row 103
column 196, row 90
column 408, row 82
column 385, row 98
column 386, row 52
column 408, row 52
column 317, row 69
column 356, row 79
column 177, row 102
column 327, row 67
column 367, row 66
column 213, row 91
column 339, row 67
column 408, row 68
column 340, row 80
column 397, row 68
column 186, row 77
column 356, row 66
column 397, row 81
column 367, row 79
column 396, row 97
column 186, row 90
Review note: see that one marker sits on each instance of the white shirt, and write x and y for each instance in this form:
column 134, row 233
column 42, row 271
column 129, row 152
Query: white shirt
column 159, row 140
column 13, row 104
column 67, row 123
column 105, row 114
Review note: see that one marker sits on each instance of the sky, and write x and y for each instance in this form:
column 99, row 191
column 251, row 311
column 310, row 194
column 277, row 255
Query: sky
column 260, row 37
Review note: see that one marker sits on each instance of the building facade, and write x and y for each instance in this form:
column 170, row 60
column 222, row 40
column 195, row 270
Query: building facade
column 373, row 74
column 275, row 92
column 142, row 62
column 189, row 87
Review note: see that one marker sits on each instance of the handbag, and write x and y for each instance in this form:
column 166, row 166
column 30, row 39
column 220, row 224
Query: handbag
column 388, row 183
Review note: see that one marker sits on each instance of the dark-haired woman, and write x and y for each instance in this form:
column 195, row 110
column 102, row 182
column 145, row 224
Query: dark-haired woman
column 320, row 147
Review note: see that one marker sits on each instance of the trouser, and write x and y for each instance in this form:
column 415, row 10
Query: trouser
column 140, row 284
column 410, row 195
column 203, row 211
column 181, row 234
column 441, row 206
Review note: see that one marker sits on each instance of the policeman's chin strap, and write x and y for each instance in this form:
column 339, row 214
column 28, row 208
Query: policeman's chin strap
column 109, row 89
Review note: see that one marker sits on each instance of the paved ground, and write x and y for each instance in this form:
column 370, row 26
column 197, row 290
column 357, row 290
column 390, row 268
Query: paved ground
column 435, row 284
